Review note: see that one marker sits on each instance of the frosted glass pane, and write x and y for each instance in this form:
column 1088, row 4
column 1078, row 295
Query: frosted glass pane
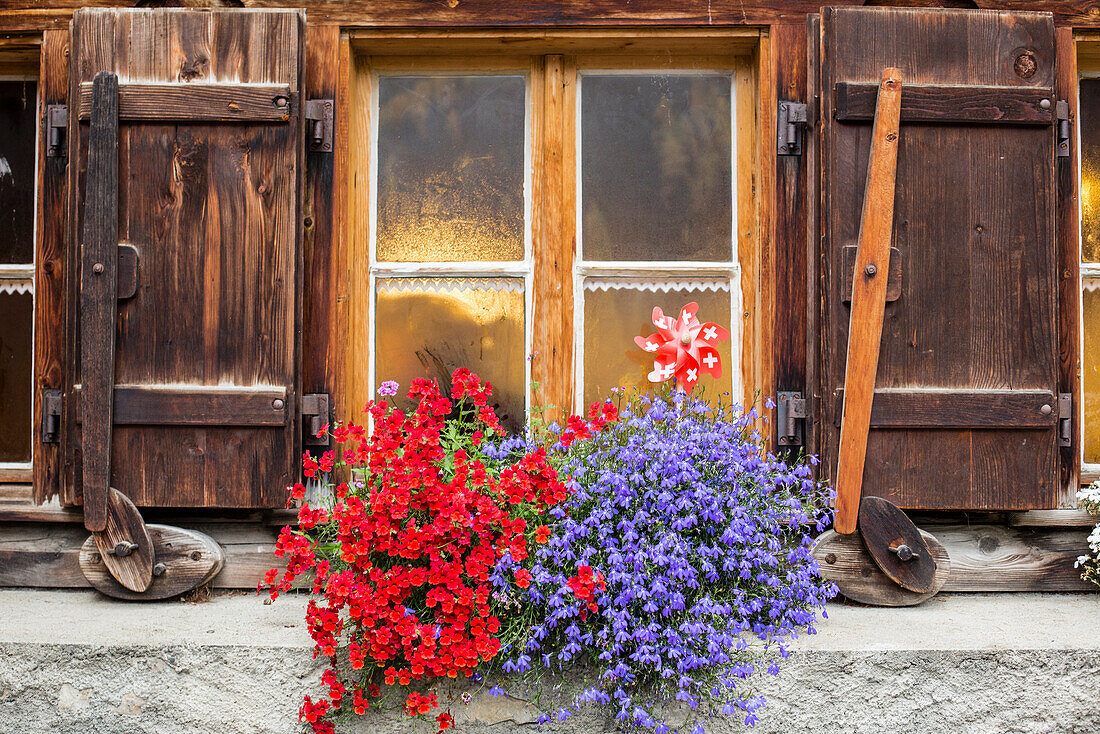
column 15, row 376
column 450, row 168
column 18, row 102
column 615, row 315
column 428, row 327
column 656, row 178
column 1090, row 170
column 1090, row 378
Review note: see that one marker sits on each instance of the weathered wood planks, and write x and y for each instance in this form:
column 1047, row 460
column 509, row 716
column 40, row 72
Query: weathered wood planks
column 950, row 103
column 197, row 102
column 946, row 408
column 192, row 405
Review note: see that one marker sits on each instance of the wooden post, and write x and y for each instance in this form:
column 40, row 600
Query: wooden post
column 868, row 301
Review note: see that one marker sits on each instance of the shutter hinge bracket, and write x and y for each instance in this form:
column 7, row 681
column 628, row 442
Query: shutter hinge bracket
column 319, row 115
column 1061, row 109
column 791, row 415
column 792, row 117
column 57, row 122
column 315, row 415
column 51, row 416
column 1065, row 419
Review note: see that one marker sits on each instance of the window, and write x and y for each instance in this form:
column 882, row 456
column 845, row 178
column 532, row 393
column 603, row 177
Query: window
column 18, row 119
column 1089, row 125
column 504, row 206
column 655, row 214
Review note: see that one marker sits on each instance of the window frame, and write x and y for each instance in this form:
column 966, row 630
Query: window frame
column 1090, row 471
column 16, row 275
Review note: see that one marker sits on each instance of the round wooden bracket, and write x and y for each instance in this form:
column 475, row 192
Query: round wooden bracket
column 896, row 545
column 845, row 561
column 183, row 560
column 124, row 545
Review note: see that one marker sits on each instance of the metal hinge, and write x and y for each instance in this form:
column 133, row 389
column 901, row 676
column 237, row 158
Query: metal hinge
column 792, row 128
column 57, row 123
column 1061, row 109
column 51, row 416
column 315, row 415
column 319, row 115
column 791, row 415
column 1065, row 419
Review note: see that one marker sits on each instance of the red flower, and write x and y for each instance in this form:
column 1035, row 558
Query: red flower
column 523, row 578
column 542, row 534
column 446, row 721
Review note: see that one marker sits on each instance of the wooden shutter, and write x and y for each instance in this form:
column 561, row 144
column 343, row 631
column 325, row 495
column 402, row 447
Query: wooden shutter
column 966, row 406
column 184, row 293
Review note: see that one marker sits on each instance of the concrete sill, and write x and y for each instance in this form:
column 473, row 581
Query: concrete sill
column 74, row 661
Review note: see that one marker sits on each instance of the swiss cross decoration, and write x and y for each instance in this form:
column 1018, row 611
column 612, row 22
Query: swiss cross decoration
column 683, row 347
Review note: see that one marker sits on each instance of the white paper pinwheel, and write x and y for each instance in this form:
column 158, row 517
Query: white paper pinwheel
column 683, row 347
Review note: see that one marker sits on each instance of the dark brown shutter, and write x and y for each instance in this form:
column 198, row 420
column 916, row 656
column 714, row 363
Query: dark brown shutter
column 184, row 293
column 966, row 407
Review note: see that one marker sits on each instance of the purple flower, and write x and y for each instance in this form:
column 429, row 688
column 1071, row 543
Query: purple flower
column 388, row 389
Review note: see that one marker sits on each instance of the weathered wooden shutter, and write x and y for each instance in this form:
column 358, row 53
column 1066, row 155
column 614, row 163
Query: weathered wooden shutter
column 186, row 150
column 966, row 406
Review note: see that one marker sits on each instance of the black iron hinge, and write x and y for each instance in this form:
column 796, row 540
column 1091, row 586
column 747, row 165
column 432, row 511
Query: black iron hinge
column 57, row 122
column 1061, row 109
column 315, row 415
column 791, row 132
column 51, row 416
column 319, row 116
column 1065, row 419
column 791, row 415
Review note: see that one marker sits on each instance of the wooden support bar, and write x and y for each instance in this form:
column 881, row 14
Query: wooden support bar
column 917, row 408
column 855, row 101
column 197, row 102
column 154, row 405
column 868, row 301
column 98, row 292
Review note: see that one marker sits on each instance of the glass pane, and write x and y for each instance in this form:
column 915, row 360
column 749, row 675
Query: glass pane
column 15, row 374
column 450, row 168
column 1090, row 170
column 1090, row 378
column 656, row 178
column 615, row 311
column 17, row 141
column 429, row 327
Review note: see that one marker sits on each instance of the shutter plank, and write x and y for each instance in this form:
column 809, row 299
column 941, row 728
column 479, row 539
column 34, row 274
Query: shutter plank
column 198, row 405
column 197, row 102
column 99, row 252
column 855, row 101
column 940, row 408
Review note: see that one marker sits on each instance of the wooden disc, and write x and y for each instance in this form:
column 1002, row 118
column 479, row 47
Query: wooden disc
column 190, row 559
column 124, row 525
column 844, row 560
column 886, row 529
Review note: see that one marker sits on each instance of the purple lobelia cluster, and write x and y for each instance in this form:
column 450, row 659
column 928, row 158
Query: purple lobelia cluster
column 703, row 539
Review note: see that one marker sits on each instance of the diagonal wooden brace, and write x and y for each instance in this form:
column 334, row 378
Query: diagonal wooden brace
column 868, row 301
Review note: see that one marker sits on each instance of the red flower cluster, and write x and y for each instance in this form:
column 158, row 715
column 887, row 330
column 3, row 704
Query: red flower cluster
column 584, row 586
column 599, row 415
column 407, row 589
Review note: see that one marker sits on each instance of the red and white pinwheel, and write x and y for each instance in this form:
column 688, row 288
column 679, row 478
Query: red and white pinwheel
column 682, row 347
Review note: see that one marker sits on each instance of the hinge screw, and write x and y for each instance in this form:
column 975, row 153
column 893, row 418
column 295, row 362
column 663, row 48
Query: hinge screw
column 277, row 404
column 1046, row 410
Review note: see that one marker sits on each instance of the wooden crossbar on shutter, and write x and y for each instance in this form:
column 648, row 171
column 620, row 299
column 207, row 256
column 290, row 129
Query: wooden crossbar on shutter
column 188, row 261
column 965, row 412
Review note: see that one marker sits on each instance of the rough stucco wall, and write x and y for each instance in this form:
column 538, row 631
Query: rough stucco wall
column 997, row 664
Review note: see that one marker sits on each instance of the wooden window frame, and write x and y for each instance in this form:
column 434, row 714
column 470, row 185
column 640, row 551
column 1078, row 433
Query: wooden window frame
column 21, row 65
column 554, row 58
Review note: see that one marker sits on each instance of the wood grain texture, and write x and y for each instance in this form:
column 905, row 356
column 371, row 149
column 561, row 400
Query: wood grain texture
column 98, row 287
column 940, row 408
column 133, row 570
column 886, row 533
column 1052, row 519
column 161, row 405
column 49, row 259
column 844, row 560
column 950, row 103
column 1069, row 292
column 868, row 301
column 30, row 15
column 48, row 554
column 214, row 211
column 974, row 225
column 755, row 243
column 197, row 102
column 789, row 214
column 185, row 558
